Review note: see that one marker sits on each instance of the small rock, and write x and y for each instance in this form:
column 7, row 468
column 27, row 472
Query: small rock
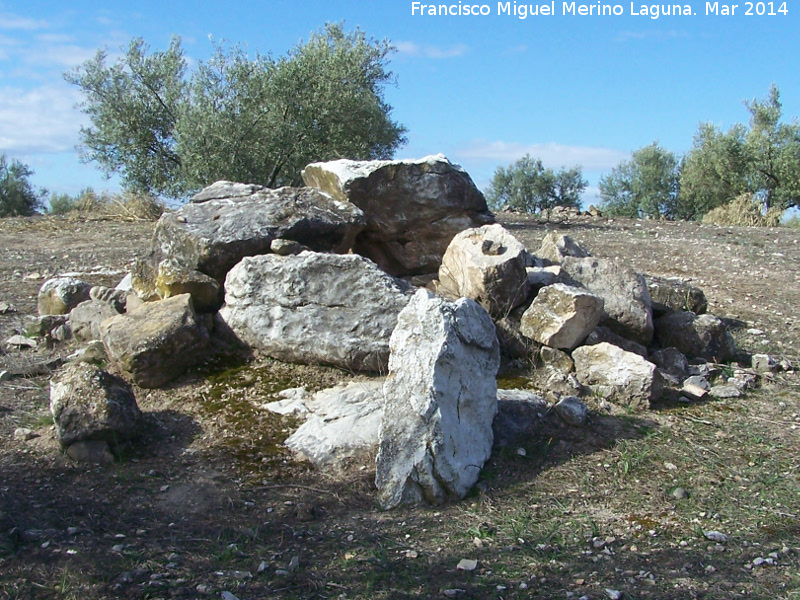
column 281, row 572
column 725, row 391
column 715, row 536
column 693, row 392
column 670, row 466
column 96, row 452
column 6, row 308
column 21, row 341
column 764, row 363
column 412, row 554
column 572, row 411
column 24, row 434
column 294, row 564
column 228, row 596
column 467, row 564
column 5, row 376
column 263, row 566
column 680, row 493
column 454, row 592
column 613, row 594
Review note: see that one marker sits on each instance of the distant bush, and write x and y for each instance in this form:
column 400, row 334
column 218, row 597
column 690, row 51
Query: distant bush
column 127, row 206
column 743, row 211
column 17, row 196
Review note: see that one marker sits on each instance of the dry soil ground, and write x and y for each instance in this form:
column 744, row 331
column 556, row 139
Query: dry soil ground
column 209, row 505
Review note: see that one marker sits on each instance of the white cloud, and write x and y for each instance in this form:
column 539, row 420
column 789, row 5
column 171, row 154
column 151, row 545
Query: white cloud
column 590, row 158
column 8, row 21
column 426, row 51
column 42, row 119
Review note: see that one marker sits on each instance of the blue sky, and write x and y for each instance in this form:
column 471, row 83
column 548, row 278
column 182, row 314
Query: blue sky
column 483, row 90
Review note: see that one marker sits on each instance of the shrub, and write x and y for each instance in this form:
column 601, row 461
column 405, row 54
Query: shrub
column 744, row 211
column 127, row 206
column 17, row 195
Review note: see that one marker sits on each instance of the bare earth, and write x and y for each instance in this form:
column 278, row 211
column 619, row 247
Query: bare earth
column 208, row 502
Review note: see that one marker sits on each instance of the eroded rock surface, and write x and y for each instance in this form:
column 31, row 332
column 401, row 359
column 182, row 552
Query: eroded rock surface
column 315, row 308
column 90, row 404
column 487, row 264
column 562, row 316
column 157, row 342
column 440, row 401
column 627, row 309
column 413, row 208
column 622, row 377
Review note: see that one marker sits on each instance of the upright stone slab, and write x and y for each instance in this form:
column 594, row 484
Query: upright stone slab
column 487, row 264
column 440, row 401
column 413, row 207
column 627, row 310
column 315, row 308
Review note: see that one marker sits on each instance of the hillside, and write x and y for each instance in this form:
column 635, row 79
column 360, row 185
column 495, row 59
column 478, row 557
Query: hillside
column 210, row 503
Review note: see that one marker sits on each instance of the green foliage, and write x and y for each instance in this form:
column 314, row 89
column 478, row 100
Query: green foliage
column 792, row 222
column 527, row 185
column 134, row 106
column 17, row 195
column 762, row 160
column 645, row 186
column 254, row 120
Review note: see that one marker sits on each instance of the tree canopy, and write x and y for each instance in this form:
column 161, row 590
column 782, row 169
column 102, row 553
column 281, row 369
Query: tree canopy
column 528, row 186
column 645, row 186
column 760, row 160
column 257, row 119
column 17, row 196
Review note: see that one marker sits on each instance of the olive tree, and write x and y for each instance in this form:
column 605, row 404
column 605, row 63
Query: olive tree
column 645, row 186
column 17, row 196
column 762, row 160
column 254, row 119
column 529, row 186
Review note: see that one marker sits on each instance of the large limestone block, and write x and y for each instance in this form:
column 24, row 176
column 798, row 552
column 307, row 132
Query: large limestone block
column 342, row 426
column 557, row 246
column 669, row 295
column 157, row 342
column 487, row 264
column 212, row 235
column 440, row 400
column 88, row 403
column 60, row 295
column 85, row 319
column 623, row 377
column 413, row 207
column 315, row 308
column 561, row 316
column 703, row 336
column 627, row 310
